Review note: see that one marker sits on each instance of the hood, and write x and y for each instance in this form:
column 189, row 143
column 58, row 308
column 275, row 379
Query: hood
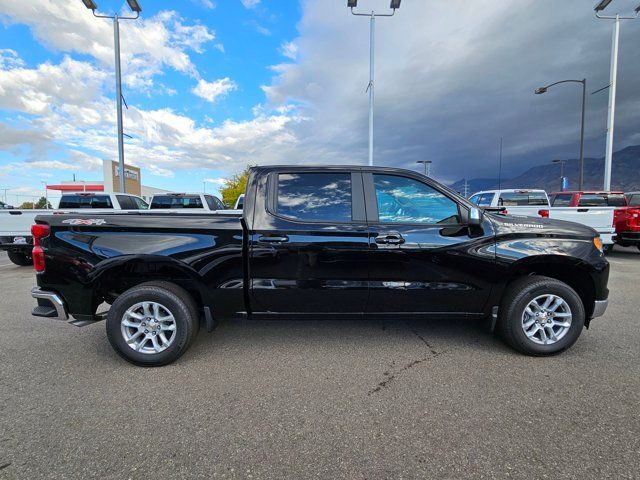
column 538, row 226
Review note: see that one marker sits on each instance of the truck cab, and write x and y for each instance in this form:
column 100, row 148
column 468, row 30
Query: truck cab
column 513, row 201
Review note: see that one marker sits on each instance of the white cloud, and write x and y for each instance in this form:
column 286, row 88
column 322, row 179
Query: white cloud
column 250, row 3
column 211, row 91
column 147, row 45
column 289, row 50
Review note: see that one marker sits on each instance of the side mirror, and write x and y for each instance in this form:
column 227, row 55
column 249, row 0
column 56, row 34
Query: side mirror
column 475, row 216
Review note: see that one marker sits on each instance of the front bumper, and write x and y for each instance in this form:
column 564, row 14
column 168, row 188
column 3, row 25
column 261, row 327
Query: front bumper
column 599, row 307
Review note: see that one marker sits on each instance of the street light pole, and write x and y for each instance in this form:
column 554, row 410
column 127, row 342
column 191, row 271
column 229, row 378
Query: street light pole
column 135, row 7
column 427, row 167
column 116, row 43
column 395, row 4
column 613, row 75
column 542, row 90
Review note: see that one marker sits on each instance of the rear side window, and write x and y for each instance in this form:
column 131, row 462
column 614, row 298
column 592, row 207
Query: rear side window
column 406, row 200
column 85, row 201
column 515, row 199
column 562, row 200
column 176, row 201
column 210, row 203
column 315, row 197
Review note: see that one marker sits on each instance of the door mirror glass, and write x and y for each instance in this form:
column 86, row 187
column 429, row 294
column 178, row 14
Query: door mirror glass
column 475, row 216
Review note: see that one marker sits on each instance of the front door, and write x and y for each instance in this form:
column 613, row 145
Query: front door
column 423, row 258
column 309, row 244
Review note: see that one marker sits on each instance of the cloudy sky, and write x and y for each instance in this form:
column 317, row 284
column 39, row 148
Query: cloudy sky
column 213, row 85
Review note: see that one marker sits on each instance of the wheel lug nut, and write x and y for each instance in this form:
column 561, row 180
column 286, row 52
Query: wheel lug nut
column 146, row 331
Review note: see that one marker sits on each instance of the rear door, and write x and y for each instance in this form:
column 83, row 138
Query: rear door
column 309, row 243
column 423, row 258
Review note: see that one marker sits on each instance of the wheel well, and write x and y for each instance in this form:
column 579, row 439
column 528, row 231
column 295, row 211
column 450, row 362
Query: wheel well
column 118, row 279
column 573, row 275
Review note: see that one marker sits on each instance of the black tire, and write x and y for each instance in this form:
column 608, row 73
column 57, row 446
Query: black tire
column 607, row 249
column 518, row 296
column 172, row 297
column 20, row 258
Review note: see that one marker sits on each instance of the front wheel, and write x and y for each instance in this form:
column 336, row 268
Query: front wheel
column 152, row 324
column 607, row 249
column 19, row 258
column 541, row 316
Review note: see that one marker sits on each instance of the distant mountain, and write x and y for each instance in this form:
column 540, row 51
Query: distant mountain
column 625, row 175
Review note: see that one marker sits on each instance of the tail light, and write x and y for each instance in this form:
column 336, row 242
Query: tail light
column 39, row 231
column 543, row 213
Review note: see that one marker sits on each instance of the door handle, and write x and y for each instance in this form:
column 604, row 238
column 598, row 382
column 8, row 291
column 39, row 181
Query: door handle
column 583, row 209
column 273, row 239
column 391, row 238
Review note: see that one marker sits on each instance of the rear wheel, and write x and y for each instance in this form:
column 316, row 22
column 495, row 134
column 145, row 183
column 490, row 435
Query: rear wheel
column 541, row 316
column 152, row 324
column 19, row 258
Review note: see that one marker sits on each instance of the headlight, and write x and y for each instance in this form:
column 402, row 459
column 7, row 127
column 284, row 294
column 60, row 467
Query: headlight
column 598, row 243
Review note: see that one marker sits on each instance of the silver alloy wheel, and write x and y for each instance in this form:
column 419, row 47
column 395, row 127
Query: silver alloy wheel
column 148, row 327
column 546, row 319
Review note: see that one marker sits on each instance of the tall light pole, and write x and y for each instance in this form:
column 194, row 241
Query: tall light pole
column 427, row 167
column 135, row 7
column 542, row 90
column 561, row 162
column 611, row 111
column 395, row 4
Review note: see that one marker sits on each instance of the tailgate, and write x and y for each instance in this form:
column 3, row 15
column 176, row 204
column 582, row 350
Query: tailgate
column 598, row 218
column 14, row 223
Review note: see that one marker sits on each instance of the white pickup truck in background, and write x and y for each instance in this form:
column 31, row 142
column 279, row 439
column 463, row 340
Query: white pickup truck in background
column 600, row 219
column 189, row 203
column 15, row 224
column 515, row 201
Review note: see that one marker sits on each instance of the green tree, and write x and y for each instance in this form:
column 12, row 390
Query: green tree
column 233, row 187
column 42, row 203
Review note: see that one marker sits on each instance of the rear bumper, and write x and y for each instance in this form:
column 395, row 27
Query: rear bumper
column 51, row 305
column 599, row 307
column 628, row 238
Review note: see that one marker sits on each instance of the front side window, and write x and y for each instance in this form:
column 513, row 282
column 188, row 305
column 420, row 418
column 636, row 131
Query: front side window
column 139, row 203
column 405, row 200
column 562, row 200
column 315, row 197
column 634, row 200
column 485, row 200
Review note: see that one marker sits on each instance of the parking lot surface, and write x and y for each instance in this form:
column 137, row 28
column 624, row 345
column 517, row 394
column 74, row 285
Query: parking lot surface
column 321, row 399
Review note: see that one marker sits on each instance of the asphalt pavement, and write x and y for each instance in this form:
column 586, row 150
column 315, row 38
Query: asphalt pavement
column 321, row 399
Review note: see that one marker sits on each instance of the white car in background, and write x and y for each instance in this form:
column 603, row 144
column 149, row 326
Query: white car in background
column 515, row 201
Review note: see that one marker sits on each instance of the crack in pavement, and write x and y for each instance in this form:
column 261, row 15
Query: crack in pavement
column 392, row 376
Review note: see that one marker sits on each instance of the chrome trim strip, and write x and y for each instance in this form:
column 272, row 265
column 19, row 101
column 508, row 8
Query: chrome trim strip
column 599, row 307
column 56, row 301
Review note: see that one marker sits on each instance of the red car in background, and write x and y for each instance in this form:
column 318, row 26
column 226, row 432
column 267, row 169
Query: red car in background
column 626, row 218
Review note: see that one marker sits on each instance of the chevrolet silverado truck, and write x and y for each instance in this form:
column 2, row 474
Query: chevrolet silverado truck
column 319, row 242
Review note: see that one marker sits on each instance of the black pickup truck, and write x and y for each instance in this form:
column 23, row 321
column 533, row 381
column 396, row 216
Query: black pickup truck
column 320, row 241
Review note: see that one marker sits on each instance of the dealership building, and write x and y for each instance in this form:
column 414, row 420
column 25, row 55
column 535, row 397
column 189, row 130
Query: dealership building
column 111, row 182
